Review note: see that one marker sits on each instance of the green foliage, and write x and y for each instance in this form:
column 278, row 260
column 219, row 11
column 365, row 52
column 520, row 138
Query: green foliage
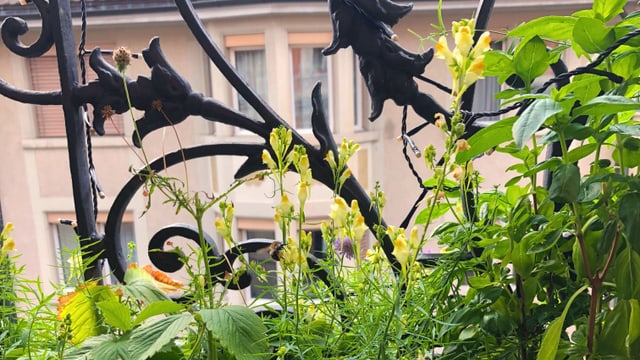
column 519, row 268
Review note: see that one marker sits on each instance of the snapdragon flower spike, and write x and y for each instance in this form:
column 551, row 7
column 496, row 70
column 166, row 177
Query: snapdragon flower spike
column 466, row 61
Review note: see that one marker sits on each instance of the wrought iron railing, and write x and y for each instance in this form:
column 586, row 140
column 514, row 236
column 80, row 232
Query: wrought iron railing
column 390, row 72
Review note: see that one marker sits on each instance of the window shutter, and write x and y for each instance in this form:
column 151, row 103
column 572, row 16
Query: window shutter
column 50, row 118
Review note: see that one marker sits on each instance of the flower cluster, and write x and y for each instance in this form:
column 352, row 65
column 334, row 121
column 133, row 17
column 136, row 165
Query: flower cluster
column 404, row 250
column 348, row 227
column 279, row 141
column 466, row 61
column 339, row 168
column 223, row 223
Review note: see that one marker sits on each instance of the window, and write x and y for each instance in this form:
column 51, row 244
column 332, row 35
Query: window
column 308, row 66
column 67, row 246
column 251, row 65
column 50, row 118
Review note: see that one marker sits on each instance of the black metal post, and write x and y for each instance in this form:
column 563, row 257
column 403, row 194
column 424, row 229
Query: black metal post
column 74, row 124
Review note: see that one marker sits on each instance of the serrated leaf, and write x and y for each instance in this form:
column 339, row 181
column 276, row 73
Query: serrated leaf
column 532, row 119
column 139, row 285
column 531, row 59
column 113, row 348
column 593, row 35
column 157, row 308
column 565, row 184
column 239, row 330
column 83, row 351
column 116, row 314
column 548, row 27
column 151, row 337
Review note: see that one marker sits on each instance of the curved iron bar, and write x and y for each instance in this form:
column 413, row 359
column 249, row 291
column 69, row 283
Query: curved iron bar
column 13, row 28
column 169, row 261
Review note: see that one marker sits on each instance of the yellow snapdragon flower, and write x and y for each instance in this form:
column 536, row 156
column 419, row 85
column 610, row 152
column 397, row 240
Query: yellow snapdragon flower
column 466, row 61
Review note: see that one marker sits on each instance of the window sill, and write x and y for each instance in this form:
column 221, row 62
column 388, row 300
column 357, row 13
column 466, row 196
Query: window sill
column 61, row 143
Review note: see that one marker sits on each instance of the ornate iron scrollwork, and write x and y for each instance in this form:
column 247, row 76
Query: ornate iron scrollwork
column 166, row 99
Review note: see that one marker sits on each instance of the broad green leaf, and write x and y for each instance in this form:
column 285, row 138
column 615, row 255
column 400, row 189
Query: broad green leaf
column 84, row 350
column 151, row 337
column 581, row 152
column 627, row 266
column 576, row 131
column 548, row 27
column 239, row 330
column 612, row 338
column 551, row 337
column 634, row 321
column 629, row 215
column 140, row 285
column 80, row 307
column 585, row 87
column 116, row 314
column 626, row 129
column 606, row 104
column 606, row 10
column 487, row 138
column 593, row 35
column 113, row 348
column 498, row 63
column 532, row 119
column 626, row 64
column 565, row 184
column 550, row 163
column 531, row 59
column 157, row 308
column 429, row 215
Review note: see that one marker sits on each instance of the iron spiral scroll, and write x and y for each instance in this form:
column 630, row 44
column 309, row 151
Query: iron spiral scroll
column 388, row 69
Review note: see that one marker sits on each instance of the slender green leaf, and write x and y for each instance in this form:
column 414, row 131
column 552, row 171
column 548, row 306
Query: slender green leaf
column 565, row 184
column 151, row 337
column 157, row 308
column 239, row 330
column 532, row 119
column 551, row 337
column 116, row 314
column 548, row 27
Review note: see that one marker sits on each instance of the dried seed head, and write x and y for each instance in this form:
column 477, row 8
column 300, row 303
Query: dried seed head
column 122, row 58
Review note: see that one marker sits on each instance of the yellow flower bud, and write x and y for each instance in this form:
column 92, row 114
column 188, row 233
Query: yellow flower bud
column 462, row 145
column 268, row 160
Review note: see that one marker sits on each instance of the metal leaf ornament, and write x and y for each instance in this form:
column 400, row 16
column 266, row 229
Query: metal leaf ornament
column 387, row 68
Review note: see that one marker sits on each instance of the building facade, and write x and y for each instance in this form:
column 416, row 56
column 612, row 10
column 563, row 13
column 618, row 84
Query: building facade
column 276, row 46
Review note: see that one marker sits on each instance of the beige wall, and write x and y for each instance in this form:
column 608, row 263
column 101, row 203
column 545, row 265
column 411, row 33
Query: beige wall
column 34, row 178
